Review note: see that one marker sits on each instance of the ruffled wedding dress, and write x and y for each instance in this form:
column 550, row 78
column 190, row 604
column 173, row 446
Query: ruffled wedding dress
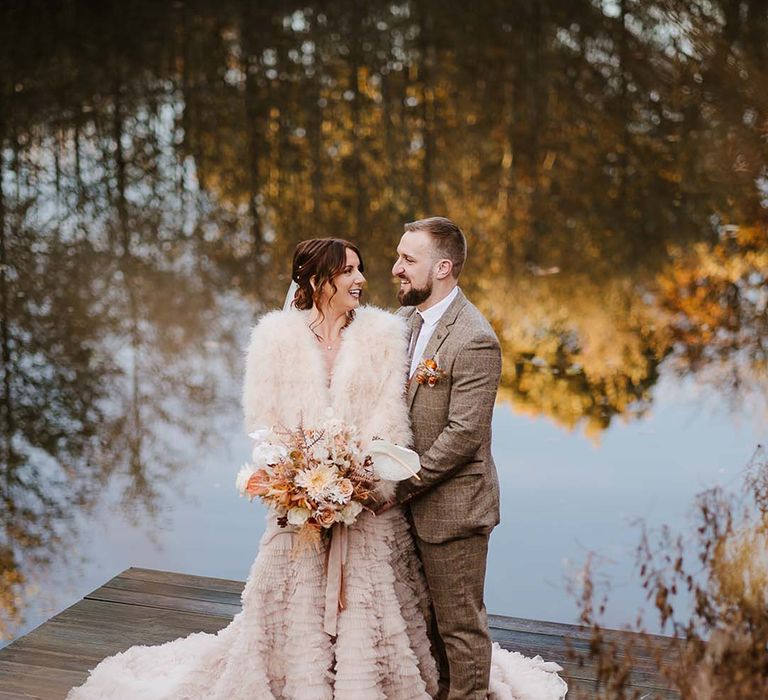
column 277, row 646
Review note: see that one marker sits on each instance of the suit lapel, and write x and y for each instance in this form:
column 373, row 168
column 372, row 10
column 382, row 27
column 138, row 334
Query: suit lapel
column 441, row 332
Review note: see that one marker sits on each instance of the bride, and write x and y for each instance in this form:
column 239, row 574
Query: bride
column 293, row 640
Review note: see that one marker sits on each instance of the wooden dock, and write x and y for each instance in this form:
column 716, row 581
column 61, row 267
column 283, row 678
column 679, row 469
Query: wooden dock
column 144, row 606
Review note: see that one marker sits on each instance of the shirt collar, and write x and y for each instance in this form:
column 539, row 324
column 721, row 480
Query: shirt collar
column 433, row 314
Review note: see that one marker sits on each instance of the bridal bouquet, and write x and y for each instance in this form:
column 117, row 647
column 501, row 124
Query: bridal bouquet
column 311, row 478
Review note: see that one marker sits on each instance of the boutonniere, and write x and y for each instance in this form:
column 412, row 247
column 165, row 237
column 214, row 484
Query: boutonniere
column 428, row 372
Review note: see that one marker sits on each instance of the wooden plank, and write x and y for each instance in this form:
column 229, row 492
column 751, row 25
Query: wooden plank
column 46, row 659
column 212, row 584
column 95, row 628
column 561, row 649
column 95, row 611
column 164, row 602
column 173, row 590
column 587, row 673
column 37, row 680
column 565, row 630
column 556, row 648
column 586, row 691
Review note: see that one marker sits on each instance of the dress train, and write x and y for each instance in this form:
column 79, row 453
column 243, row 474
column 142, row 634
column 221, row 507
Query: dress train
column 276, row 646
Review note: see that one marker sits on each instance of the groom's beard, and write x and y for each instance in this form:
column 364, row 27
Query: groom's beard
column 414, row 297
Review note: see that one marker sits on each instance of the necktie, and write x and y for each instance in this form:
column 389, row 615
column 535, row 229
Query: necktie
column 417, row 321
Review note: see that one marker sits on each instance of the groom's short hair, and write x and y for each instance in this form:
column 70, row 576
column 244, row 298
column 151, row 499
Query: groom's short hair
column 448, row 238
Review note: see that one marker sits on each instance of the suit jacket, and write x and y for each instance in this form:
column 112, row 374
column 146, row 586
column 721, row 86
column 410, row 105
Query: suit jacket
column 458, row 491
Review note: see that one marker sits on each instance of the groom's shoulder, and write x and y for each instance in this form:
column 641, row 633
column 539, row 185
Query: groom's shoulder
column 405, row 311
column 475, row 324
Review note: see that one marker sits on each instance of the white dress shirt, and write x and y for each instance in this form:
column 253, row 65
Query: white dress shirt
column 431, row 318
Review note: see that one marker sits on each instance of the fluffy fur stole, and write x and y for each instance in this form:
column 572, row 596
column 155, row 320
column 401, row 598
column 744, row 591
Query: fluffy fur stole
column 286, row 381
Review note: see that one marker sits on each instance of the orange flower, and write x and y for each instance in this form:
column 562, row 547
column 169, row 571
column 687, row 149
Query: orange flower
column 326, row 517
column 258, row 484
column 428, row 372
column 345, row 488
column 297, row 457
column 282, row 495
column 300, row 501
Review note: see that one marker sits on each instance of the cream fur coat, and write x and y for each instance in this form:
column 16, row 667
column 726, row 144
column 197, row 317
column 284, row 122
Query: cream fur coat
column 286, row 378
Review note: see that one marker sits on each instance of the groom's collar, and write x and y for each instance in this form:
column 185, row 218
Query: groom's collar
column 451, row 313
column 434, row 313
column 448, row 317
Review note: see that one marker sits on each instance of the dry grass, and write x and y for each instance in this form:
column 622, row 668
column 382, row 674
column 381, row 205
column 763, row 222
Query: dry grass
column 709, row 590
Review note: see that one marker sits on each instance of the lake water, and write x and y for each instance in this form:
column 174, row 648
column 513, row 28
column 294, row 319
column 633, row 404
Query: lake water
column 160, row 161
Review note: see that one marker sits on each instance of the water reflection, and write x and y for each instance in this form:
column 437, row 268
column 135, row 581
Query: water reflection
column 159, row 162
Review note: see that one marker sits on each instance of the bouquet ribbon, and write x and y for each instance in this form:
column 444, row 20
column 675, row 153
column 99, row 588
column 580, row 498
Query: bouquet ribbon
column 334, row 586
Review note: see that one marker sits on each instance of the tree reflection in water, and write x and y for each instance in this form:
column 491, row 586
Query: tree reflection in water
column 160, row 161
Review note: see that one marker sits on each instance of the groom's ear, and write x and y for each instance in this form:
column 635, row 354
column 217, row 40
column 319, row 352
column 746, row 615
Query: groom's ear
column 444, row 269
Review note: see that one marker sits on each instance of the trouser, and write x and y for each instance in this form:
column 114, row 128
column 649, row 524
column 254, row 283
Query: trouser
column 455, row 574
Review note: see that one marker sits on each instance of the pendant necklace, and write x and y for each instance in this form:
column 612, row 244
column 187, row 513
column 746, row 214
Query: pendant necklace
column 322, row 341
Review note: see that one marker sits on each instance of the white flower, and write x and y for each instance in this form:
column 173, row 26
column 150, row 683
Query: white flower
column 350, row 512
column 317, row 481
column 260, row 434
column 245, row 473
column 342, row 491
column 266, row 453
column 335, row 427
column 298, row 515
column 334, row 496
column 320, row 452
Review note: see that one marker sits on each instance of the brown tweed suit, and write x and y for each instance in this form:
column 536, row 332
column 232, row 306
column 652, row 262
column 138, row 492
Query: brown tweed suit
column 455, row 505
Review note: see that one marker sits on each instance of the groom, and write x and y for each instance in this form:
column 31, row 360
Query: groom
column 454, row 505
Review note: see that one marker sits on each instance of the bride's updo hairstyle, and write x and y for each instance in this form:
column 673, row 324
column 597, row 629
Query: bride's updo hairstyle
column 318, row 261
